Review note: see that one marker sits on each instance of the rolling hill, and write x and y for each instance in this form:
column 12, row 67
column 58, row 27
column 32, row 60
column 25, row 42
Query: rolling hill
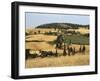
column 62, row 25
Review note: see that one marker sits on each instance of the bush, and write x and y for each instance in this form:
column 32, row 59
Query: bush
column 87, row 35
column 50, row 33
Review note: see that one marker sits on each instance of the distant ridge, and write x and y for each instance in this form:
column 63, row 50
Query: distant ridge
column 61, row 25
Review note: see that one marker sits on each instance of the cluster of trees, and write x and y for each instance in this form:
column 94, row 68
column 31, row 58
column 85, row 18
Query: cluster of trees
column 50, row 33
column 61, row 42
column 71, row 32
column 76, row 26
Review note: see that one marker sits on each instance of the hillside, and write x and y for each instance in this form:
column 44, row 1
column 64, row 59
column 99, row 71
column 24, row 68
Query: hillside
column 62, row 25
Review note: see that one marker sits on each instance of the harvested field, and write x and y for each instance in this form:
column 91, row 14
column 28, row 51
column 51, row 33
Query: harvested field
column 40, row 37
column 77, row 60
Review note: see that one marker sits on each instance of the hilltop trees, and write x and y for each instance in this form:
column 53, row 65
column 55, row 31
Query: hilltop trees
column 62, row 25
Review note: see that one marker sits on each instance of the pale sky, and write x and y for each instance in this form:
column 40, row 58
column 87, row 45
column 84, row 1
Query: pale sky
column 36, row 19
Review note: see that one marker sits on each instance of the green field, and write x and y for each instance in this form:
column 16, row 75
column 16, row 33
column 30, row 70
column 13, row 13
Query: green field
column 78, row 39
column 74, row 39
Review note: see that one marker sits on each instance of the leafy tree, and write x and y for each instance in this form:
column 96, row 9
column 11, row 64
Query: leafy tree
column 56, row 51
column 64, row 51
column 35, row 33
column 65, row 42
column 38, row 31
column 59, row 40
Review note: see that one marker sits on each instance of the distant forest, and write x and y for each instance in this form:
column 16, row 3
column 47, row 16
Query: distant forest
column 62, row 25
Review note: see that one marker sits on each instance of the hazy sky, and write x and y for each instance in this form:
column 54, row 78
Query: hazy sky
column 35, row 19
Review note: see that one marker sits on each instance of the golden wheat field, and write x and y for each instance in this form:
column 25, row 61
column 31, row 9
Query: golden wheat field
column 40, row 37
column 41, row 30
column 81, row 30
column 77, row 60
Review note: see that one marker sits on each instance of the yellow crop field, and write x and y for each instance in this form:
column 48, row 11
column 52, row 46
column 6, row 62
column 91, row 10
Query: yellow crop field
column 77, row 60
column 81, row 30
